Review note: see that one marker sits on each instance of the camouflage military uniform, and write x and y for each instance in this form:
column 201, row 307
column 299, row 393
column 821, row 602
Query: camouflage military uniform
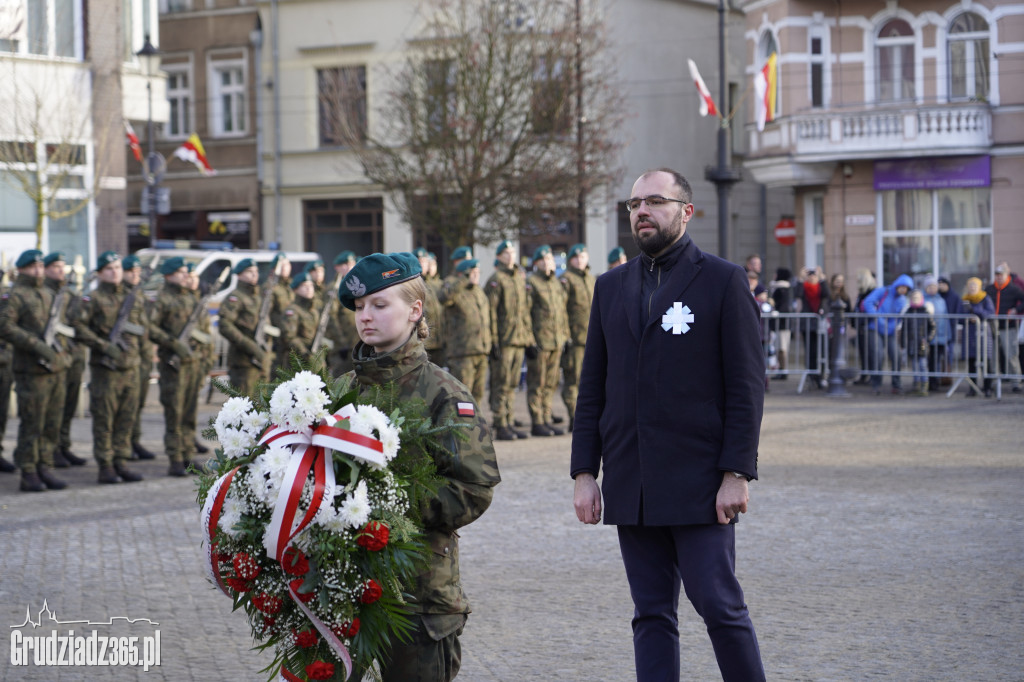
column 68, row 398
column 168, row 317
column 39, row 390
column 6, row 384
column 467, row 317
column 341, row 330
column 510, row 330
column 206, row 357
column 436, row 342
column 470, row 473
column 113, row 391
column 239, row 316
column 551, row 331
column 298, row 327
column 146, row 350
column 282, row 296
column 579, row 289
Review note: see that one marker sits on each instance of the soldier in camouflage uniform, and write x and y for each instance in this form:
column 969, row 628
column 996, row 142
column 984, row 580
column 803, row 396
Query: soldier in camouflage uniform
column 299, row 323
column 283, row 295
column 56, row 278
column 341, row 330
column 179, row 362
column 314, row 270
column 132, row 268
column 113, row 366
column 6, row 383
column 617, row 257
column 550, row 331
column 38, row 373
column 511, row 335
column 248, row 364
column 467, row 317
column 432, row 311
column 206, row 358
column 394, row 354
column 579, row 290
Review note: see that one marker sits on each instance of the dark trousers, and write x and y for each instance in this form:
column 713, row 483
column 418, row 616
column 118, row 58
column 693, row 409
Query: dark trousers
column 701, row 558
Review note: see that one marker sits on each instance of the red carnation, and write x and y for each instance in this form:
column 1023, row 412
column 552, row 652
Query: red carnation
column 305, row 638
column 223, row 557
column 245, row 566
column 372, row 592
column 346, row 629
column 268, row 623
column 374, row 536
column 237, row 584
column 295, row 562
column 303, row 597
column 267, row 603
column 320, row 670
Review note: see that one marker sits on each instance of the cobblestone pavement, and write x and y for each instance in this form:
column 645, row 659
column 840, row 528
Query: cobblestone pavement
column 884, row 541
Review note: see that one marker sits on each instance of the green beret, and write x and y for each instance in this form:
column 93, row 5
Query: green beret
column 28, row 258
column 299, row 279
column 278, row 257
column 539, row 252
column 615, row 254
column 344, row 257
column 53, row 257
column 376, row 272
column 172, row 265
column 420, row 252
column 243, row 265
column 467, row 265
column 106, row 258
column 461, row 252
column 131, row 262
column 577, row 248
column 313, row 265
column 191, row 267
column 503, row 246
column 432, row 256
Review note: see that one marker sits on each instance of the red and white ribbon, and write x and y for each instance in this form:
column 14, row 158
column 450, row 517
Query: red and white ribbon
column 210, row 517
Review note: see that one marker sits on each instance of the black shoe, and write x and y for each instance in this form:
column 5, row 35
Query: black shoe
column 140, row 452
column 517, row 423
column 555, row 419
column 73, row 459
column 59, row 461
column 504, row 433
column 108, row 475
column 540, row 430
column 200, row 448
column 31, row 483
column 177, row 469
column 554, row 431
column 989, row 392
column 7, row 467
column 49, row 480
column 572, row 421
column 520, row 434
column 126, row 474
column 972, row 393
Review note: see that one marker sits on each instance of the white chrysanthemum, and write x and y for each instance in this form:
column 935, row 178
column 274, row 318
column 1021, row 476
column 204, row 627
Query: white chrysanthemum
column 311, row 401
column 371, row 422
column 235, row 442
column 307, row 380
column 391, row 442
column 254, row 422
column 355, row 510
column 234, row 409
column 266, row 474
column 231, row 514
column 330, row 520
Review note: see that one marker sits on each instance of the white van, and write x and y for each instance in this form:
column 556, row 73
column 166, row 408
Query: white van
column 210, row 263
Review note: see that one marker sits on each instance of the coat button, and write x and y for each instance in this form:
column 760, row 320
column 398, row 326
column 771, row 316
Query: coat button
column 445, row 550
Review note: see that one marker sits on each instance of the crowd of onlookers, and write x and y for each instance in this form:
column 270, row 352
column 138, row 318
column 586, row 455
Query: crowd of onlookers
column 921, row 326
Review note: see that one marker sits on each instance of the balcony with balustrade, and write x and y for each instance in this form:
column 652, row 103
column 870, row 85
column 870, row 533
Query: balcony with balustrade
column 803, row 149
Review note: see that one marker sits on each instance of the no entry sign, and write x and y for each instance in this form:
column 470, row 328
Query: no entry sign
column 785, row 231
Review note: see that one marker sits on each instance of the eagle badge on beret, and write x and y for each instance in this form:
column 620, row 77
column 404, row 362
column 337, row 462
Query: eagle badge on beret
column 357, row 288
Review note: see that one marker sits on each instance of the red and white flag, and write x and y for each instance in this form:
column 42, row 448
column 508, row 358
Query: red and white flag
column 707, row 105
column 133, row 141
column 193, row 152
column 764, row 92
column 466, row 410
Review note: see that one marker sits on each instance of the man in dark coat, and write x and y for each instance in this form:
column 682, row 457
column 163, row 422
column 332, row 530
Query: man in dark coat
column 670, row 403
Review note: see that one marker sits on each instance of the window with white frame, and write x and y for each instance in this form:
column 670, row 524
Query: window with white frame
column 173, row 6
column 41, row 27
column 894, row 62
column 227, row 98
column 179, row 99
column 968, row 57
column 341, row 97
column 816, row 75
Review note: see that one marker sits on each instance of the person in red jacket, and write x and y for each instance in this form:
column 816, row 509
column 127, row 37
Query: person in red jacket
column 1009, row 300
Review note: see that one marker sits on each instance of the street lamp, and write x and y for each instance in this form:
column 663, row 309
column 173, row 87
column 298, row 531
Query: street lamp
column 149, row 58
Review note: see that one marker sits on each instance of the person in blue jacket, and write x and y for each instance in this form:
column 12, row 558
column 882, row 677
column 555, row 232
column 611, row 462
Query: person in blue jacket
column 882, row 335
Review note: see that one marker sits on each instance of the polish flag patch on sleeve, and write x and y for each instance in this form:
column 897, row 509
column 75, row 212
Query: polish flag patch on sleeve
column 466, row 410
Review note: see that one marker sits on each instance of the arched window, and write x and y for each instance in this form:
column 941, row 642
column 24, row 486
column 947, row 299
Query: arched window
column 894, row 60
column 766, row 48
column 968, row 57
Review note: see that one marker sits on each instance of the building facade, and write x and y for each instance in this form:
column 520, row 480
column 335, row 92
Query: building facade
column 899, row 127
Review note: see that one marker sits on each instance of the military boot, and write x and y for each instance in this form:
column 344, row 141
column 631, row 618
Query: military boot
column 6, row 467
column 31, row 483
column 555, row 431
column 126, row 474
column 520, row 434
column 140, row 452
column 200, row 448
column 49, row 480
column 504, row 433
column 177, row 469
column 59, row 460
column 540, row 430
column 73, row 459
column 108, row 474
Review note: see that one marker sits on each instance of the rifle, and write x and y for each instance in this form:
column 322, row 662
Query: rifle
column 189, row 331
column 54, row 327
column 122, row 325
column 263, row 327
column 321, row 325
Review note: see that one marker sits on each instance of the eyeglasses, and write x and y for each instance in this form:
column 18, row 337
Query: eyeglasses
column 652, row 201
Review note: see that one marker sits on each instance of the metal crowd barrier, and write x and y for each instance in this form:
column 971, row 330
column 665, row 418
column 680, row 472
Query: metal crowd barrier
column 795, row 345
column 1005, row 362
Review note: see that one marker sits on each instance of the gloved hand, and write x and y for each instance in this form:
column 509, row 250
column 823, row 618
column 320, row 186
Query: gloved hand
column 45, row 352
column 532, row 352
column 181, row 349
column 495, row 352
column 113, row 351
